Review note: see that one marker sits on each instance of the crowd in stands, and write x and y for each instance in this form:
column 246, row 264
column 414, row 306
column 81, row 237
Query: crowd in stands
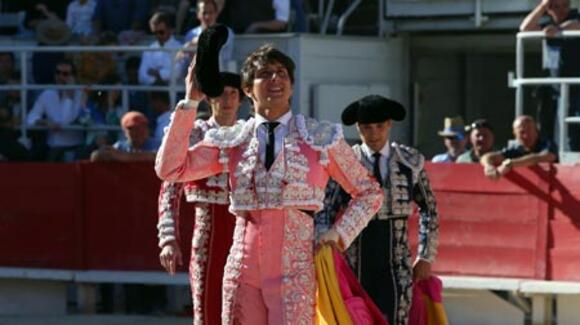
column 55, row 117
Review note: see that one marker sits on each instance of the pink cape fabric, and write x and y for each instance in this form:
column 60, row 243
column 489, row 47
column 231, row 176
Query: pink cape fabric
column 427, row 305
column 360, row 306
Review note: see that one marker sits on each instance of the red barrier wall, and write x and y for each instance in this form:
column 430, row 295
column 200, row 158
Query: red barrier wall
column 103, row 217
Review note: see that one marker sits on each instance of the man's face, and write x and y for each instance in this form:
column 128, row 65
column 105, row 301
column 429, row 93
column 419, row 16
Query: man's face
column 482, row 140
column 63, row 74
column 526, row 133
column 272, row 87
column 455, row 146
column 374, row 135
column 227, row 103
column 137, row 134
column 6, row 66
column 161, row 31
column 559, row 10
column 207, row 14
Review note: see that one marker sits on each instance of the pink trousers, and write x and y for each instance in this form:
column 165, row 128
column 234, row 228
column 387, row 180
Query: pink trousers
column 258, row 299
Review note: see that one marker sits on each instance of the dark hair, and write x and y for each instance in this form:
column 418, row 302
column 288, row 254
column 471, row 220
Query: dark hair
column 162, row 96
column 211, row 2
column 259, row 58
column 478, row 124
column 162, row 17
column 133, row 62
column 10, row 54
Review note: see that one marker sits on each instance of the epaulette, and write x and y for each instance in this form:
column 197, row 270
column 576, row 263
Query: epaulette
column 409, row 156
column 319, row 135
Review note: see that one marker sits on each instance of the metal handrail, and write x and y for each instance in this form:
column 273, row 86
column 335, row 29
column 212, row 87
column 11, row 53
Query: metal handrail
column 173, row 88
column 345, row 15
column 519, row 82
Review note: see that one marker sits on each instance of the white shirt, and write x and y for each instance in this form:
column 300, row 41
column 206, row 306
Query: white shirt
column 282, row 9
column 79, row 17
column 62, row 111
column 161, row 61
column 368, row 152
column 280, row 133
column 162, row 122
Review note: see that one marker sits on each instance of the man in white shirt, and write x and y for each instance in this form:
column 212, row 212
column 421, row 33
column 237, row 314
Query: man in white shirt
column 156, row 66
column 57, row 109
column 79, row 16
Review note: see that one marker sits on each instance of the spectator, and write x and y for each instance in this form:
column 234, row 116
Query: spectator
column 79, row 16
column 527, row 149
column 10, row 148
column 119, row 15
column 454, row 140
column 38, row 10
column 137, row 147
column 207, row 13
column 159, row 101
column 257, row 16
column 481, row 138
column 57, row 109
column 560, row 54
column 93, row 67
column 156, row 66
column 50, row 32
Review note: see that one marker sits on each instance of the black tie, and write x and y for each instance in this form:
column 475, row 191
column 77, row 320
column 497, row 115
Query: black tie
column 376, row 168
column 270, row 142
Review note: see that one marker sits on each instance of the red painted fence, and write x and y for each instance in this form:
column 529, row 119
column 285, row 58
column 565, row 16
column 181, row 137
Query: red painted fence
column 103, row 216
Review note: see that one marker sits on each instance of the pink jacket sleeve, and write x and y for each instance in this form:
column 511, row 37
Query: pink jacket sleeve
column 367, row 197
column 175, row 161
column 169, row 204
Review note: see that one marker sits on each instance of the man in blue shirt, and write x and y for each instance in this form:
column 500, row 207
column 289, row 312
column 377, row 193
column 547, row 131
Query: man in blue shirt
column 528, row 149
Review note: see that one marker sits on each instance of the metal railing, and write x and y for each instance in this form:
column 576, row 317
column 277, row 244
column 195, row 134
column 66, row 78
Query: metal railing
column 519, row 82
column 23, row 51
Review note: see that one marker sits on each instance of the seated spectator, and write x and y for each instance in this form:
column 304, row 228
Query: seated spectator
column 137, row 147
column 481, row 138
column 79, row 16
column 528, row 149
column 57, row 109
column 156, row 66
column 119, row 15
column 257, row 16
column 159, row 102
column 560, row 56
column 207, row 13
column 453, row 134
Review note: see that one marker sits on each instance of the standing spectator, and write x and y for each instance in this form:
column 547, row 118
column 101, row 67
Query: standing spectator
column 157, row 66
column 454, row 139
column 79, row 16
column 57, row 109
column 159, row 101
column 120, row 15
column 138, row 145
column 207, row 13
column 528, row 149
column 257, row 16
column 561, row 55
column 481, row 138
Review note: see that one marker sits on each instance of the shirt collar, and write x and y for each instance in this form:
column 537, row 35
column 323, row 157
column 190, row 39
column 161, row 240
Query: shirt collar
column 369, row 152
column 284, row 119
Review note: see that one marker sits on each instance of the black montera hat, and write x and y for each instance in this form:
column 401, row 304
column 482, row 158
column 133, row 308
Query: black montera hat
column 372, row 109
column 207, row 65
column 233, row 80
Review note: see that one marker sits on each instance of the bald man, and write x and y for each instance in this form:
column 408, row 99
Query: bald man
column 528, row 149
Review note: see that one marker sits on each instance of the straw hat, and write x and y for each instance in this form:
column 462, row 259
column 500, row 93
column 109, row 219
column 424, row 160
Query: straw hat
column 453, row 127
column 52, row 32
